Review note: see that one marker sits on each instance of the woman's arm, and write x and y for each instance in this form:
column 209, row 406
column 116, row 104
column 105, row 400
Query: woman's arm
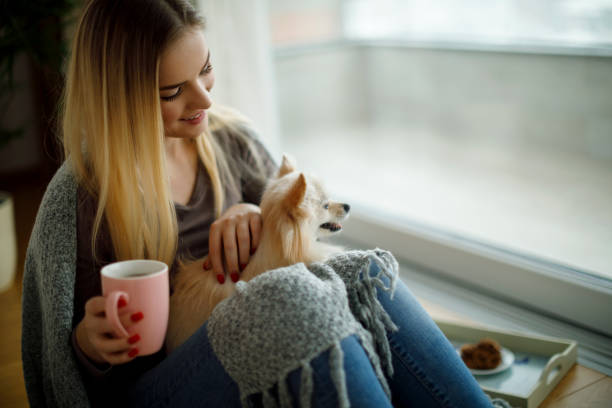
column 47, row 300
column 235, row 236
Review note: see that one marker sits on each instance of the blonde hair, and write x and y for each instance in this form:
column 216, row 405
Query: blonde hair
column 113, row 132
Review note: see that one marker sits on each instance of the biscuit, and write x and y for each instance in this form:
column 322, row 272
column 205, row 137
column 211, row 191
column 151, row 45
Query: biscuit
column 485, row 355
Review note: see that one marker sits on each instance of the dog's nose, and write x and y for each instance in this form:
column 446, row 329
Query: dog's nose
column 346, row 207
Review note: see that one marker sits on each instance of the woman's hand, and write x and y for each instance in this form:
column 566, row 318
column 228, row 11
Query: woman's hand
column 233, row 238
column 96, row 338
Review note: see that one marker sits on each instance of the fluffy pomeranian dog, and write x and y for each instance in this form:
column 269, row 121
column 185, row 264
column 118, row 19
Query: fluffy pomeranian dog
column 296, row 212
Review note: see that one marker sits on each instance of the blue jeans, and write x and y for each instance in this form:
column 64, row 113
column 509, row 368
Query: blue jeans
column 427, row 370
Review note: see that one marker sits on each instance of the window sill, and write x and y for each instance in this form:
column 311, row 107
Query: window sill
column 477, row 306
column 536, row 48
column 563, row 294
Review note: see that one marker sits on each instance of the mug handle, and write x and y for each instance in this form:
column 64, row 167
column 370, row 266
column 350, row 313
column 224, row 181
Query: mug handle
column 111, row 311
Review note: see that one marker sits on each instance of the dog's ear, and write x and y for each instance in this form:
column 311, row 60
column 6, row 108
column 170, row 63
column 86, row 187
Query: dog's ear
column 296, row 193
column 287, row 166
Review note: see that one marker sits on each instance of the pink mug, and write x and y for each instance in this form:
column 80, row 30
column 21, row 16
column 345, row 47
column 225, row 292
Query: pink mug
column 144, row 285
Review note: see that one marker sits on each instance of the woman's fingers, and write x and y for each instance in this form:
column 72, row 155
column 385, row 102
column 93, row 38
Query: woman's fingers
column 230, row 248
column 226, row 239
column 100, row 324
column 232, row 240
column 95, row 306
column 121, row 357
column 255, row 228
column 118, row 349
column 108, row 345
column 215, row 241
column 243, row 237
column 127, row 317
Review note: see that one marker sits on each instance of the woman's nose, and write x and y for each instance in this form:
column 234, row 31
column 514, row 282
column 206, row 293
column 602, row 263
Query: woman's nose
column 202, row 98
column 206, row 100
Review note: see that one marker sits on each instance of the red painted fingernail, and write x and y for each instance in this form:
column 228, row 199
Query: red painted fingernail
column 133, row 352
column 221, row 278
column 134, row 339
column 235, row 277
column 242, row 266
column 137, row 316
column 206, row 265
column 121, row 303
column 253, row 250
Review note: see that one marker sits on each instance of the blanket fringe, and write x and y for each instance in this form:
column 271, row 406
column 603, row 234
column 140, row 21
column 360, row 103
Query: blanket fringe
column 306, row 385
column 375, row 364
column 284, row 398
column 364, row 273
column 268, row 399
column 336, row 365
column 365, row 305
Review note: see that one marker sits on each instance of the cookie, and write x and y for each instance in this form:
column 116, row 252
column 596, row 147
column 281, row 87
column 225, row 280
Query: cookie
column 485, row 355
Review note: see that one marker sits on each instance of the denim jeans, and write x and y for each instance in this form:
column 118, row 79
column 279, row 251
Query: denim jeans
column 427, row 370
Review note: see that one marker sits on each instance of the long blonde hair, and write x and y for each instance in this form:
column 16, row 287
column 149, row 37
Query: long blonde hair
column 113, row 132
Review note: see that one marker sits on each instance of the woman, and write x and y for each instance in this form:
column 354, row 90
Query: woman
column 154, row 170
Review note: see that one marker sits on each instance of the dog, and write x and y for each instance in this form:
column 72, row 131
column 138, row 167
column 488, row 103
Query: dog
column 296, row 213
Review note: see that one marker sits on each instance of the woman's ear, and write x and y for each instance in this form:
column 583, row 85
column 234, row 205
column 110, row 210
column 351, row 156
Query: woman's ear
column 287, row 166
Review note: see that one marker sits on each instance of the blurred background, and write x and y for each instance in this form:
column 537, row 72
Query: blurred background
column 487, row 119
column 490, row 121
column 485, row 124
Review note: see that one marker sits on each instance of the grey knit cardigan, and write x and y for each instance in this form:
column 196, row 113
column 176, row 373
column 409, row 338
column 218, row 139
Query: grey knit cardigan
column 50, row 368
column 327, row 302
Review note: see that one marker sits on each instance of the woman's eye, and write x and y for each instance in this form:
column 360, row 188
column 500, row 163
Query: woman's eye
column 326, row 206
column 206, row 69
column 173, row 97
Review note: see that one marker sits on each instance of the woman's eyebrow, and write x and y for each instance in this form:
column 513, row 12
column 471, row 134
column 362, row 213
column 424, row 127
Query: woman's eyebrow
column 163, row 88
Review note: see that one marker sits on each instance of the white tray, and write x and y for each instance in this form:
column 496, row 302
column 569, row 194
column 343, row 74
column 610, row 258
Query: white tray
column 539, row 365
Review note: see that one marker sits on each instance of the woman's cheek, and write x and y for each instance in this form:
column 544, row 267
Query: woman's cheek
column 170, row 114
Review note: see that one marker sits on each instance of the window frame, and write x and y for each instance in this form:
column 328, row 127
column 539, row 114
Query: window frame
column 535, row 44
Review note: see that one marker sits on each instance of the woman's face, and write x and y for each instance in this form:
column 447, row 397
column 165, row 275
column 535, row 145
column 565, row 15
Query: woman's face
column 185, row 81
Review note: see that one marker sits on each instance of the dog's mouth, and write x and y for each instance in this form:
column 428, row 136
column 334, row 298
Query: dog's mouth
column 331, row 226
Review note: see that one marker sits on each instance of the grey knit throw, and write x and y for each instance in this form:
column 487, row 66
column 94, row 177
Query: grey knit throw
column 284, row 318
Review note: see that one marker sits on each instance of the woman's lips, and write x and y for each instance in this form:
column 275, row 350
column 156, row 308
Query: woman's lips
column 196, row 118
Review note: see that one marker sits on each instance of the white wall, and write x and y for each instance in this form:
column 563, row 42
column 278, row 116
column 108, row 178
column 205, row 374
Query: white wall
column 237, row 32
column 320, row 88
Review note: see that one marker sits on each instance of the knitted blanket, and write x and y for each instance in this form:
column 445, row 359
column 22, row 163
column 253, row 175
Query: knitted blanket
column 284, row 318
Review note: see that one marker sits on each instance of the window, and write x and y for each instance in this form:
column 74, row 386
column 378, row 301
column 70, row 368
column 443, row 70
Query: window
column 471, row 138
column 544, row 26
column 562, row 26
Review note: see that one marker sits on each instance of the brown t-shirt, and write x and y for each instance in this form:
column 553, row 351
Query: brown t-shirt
column 194, row 220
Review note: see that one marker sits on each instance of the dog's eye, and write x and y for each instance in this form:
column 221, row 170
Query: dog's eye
column 326, row 206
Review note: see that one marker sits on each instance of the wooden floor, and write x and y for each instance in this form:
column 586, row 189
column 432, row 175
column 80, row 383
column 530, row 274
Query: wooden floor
column 26, row 198
column 581, row 387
